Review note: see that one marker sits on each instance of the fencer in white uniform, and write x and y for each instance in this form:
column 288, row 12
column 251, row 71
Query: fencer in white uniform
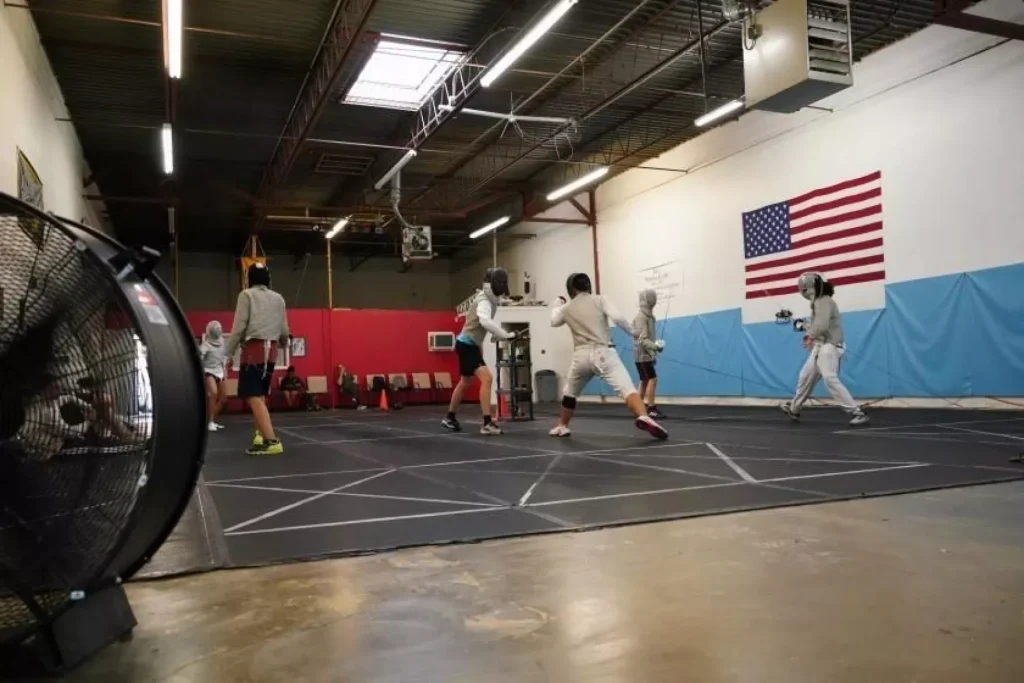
column 823, row 337
column 587, row 316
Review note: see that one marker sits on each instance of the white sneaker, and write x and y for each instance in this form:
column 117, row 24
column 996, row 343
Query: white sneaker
column 788, row 410
column 218, row 425
column 859, row 419
column 490, row 429
column 651, row 427
column 560, row 430
column 212, row 427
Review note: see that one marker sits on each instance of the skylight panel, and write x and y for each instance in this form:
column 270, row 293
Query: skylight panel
column 402, row 74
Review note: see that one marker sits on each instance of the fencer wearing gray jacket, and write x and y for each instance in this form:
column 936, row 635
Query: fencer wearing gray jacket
column 645, row 348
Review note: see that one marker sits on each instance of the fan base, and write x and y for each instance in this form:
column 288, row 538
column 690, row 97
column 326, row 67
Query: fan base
column 78, row 633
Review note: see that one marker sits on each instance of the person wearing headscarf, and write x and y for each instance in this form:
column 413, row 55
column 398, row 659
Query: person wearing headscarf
column 469, row 348
column 826, row 344
column 211, row 353
column 646, row 350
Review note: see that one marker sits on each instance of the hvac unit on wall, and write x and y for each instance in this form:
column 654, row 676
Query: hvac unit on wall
column 799, row 52
column 441, row 341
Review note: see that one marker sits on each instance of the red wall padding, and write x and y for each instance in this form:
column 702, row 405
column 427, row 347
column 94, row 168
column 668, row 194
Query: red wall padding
column 364, row 341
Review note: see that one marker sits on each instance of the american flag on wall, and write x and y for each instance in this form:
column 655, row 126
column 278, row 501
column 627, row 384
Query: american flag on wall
column 835, row 230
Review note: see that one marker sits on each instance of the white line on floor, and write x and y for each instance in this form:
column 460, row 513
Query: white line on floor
column 529, row 492
column 292, row 506
column 637, row 493
column 914, row 437
column 840, row 474
column 357, row 495
column 653, row 467
column 475, row 460
column 978, row 431
column 935, row 424
column 712, row 486
column 728, row 461
column 374, row 520
column 298, row 474
column 291, row 433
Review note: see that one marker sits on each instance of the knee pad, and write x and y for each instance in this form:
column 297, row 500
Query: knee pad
column 569, row 402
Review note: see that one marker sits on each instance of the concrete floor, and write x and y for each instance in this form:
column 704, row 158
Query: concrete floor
column 923, row 587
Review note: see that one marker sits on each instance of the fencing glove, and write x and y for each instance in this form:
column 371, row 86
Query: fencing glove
column 660, row 344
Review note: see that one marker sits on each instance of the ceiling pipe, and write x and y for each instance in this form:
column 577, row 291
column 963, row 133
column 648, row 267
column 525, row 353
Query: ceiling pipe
column 578, row 59
column 651, row 73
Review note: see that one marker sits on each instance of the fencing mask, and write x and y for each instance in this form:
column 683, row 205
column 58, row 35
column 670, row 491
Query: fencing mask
column 811, row 285
column 577, row 282
column 497, row 278
column 258, row 274
column 648, row 300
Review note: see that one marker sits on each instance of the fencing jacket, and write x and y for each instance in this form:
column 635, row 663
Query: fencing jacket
column 480, row 319
column 826, row 325
column 644, row 349
column 587, row 316
column 260, row 314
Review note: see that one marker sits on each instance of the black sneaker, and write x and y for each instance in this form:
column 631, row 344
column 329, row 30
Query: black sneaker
column 788, row 410
column 451, row 424
column 655, row 414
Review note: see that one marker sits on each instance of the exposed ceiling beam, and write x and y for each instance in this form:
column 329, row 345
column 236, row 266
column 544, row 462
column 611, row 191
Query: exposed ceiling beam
column 953, row 13
column 321, row 82
column 638, row 82
column 565, row 77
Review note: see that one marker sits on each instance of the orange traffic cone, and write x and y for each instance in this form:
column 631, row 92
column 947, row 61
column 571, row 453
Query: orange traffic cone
column 384, row 400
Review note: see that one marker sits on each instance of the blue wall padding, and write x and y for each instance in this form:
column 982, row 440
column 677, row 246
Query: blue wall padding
column 954, row 335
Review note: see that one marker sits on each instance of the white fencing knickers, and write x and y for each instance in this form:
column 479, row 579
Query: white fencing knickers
column 602, row 361
column 823, row 363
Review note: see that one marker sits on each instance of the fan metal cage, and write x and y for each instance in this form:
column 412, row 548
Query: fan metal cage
column 92, row 352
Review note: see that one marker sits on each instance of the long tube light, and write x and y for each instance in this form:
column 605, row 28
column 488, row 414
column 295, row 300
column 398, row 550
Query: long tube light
column 716, row 114
column 338, row 227
column 399, row 165
column 578, row 183
column 173, row 27
column 494, row 225
column 527, row 41
column 167, row 143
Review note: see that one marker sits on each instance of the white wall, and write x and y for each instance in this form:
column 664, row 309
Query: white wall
column 942, row 122
column 943, row 127
column 555, row 251
column 32, row 102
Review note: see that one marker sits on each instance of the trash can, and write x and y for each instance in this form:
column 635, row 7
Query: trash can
column 546, row 382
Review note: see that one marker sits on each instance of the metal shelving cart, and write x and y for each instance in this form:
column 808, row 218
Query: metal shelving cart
column 513, row 381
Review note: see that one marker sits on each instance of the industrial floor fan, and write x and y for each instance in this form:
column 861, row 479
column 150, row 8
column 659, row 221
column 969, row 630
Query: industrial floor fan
column 102, row 433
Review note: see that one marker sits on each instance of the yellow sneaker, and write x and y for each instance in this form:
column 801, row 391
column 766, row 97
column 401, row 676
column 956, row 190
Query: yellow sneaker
column 257, row 439
column 266, row 448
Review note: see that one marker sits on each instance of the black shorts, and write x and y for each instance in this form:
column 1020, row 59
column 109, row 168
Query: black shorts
column 254, row 379
column 646, row 370
column 471, row 358
column 215, row 378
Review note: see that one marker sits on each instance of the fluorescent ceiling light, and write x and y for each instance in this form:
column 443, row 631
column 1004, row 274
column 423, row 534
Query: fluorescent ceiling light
column 399, row 165
column 173, row 25
column 490, row 226
column 338, row 227
column 527, row 41
column 578, row 183
column 402, row 74
column 716, row 114
column 167, row 143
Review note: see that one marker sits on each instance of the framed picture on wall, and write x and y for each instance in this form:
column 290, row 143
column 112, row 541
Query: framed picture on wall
column 299, row 347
